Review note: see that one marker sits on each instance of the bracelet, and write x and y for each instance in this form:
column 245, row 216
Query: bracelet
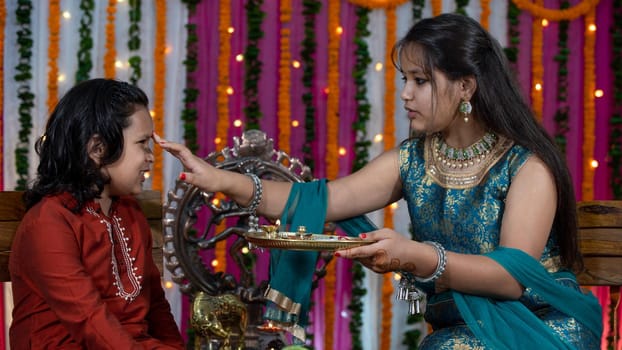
column 257, row 194
column 440, row 266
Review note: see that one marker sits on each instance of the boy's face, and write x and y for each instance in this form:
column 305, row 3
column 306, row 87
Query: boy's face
column 127, row 174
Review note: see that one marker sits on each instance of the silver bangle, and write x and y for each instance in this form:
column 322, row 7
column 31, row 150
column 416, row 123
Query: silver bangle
column 440, row 265
column 257, row 194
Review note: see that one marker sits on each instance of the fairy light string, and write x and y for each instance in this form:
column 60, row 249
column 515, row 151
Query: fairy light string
column 589, row 112
column 54, row 19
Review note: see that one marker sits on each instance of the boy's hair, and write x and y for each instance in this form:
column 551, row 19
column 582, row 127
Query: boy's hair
column 99, row 107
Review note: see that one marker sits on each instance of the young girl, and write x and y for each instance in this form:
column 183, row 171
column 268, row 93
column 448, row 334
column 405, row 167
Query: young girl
column 81, row 265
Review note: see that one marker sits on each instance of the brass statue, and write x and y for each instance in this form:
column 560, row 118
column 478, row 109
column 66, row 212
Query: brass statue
column 219, row 316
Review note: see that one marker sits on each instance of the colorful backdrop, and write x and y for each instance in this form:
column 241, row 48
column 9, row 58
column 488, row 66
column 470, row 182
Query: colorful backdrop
column 315, row 75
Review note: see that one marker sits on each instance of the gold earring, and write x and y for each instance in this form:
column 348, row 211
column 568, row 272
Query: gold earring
column 466, row 109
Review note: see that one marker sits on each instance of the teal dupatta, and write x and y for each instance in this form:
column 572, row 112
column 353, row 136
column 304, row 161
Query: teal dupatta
column 291, row 272
column 509, row 324
column 499, row 324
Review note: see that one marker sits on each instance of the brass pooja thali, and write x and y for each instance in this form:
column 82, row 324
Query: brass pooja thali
column 271, row 237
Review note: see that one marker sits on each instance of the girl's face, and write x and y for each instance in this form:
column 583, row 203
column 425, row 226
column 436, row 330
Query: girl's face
column 127, row 174
column 430, row 108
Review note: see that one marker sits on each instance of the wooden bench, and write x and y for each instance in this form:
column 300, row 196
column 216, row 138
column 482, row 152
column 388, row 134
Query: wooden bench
column 600, row 235
column 600, row 240
column 12, row 210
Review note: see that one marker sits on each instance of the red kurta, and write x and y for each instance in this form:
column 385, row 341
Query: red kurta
column 64, row 271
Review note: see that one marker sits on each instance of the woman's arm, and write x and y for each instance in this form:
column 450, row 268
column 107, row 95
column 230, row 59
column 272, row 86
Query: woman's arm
column 373, row 187
column 527, row 220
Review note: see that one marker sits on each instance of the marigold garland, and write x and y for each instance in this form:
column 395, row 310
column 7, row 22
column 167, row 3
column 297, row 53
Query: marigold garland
column 23, row 76
column 537, row 70
column 222, row 106
column 589, row 113
column 485, row 15
column 53, row 48
column 377, row 4
column 332, row 147
column 538, row 10
column 437, row 7
column 111, row 53
column 284, row 103
column 389, row 143
column 159, row 86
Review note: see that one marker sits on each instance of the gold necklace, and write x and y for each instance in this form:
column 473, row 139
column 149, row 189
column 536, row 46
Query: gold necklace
column 463, row 157
column 463, row 168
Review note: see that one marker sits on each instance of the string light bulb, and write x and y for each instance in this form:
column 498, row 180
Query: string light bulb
column 239, row 57
column 379, row 66
column 295, row 123
column 378, row 138
column 339, row 30
column 599, row 93
column 545, row 22
column 237, row 123
column 342, row 151
column 594, row 164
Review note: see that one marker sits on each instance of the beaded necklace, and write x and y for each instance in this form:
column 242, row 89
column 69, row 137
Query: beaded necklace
column 463, row 157
column 115, row 229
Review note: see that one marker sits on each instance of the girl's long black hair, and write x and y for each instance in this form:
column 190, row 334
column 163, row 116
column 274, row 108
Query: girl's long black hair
column 459, row 47
column 99, row 107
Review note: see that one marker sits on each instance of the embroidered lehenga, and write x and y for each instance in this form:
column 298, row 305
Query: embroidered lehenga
column 463, row 212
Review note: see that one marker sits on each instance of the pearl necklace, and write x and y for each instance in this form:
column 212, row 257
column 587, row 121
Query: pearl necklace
column 115, row 229
column 459, row 158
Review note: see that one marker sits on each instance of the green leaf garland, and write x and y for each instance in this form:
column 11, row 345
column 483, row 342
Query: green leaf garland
column 511, row 51
column 252, row 64
column 361, row 156
column 85, row 62
column 561, row 115
column 133, row 42
column 26, row 97
column 310, row 10
column 189, row 114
